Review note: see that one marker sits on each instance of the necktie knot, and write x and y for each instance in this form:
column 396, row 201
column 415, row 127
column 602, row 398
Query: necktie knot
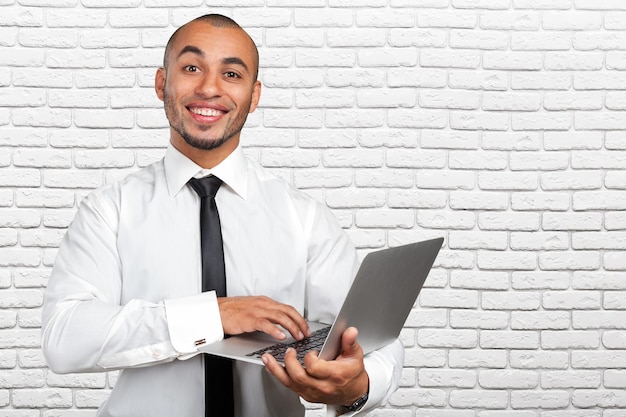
column 206, row 186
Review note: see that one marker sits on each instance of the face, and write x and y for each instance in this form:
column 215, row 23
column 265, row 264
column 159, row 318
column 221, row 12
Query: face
column 208, row 87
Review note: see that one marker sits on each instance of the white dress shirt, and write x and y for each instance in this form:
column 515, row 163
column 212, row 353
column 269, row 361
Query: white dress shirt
column 125, row 290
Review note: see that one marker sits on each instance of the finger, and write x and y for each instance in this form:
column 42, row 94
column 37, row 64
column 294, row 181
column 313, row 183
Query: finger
column 349, row 345
column 276, row 369
column 294, row 323
column 293, row 367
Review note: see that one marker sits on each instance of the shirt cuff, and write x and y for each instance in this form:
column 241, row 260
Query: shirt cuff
column 193, row 322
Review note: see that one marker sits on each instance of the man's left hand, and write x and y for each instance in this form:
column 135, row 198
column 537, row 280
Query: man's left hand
column 338, row 382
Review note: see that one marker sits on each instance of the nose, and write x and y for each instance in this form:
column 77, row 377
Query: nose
column 209, row 85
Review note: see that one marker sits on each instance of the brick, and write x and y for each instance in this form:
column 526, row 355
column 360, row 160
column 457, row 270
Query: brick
column 476, row 120
column 416, row 199
column 419, row 397
column 540, row 320
column 403, row 158
column 22, row 379
column 597, row 280
column 385, row 218
column 42, row 117
column 598, row 359
column 489, row 399
column 420, row 318
column 481, row 4
column 444, row 58
column 542, row 121
column 366, row 77
column 511, row 141
column 613, row 379
column 510, row 301
column 578, row 260
column 384, row 18
column 332, row 138
column 531, row 359
column 615, row 220
column 542, row 4
column 386, row 57
column 539, row 241
column 518, row 261
column 484, row 39
column 599, row 398
column 600, row 81
column 569, row 339
column 296, row 158
column 594, row 200
column 613, row 339
column 479, row 358
column 446, row 378
column 573, row 101
column 517, row 60
column 421, row 38
column 446, row 180
column 114, row 78
column 496, row 101
column 72, row 179
column 384, row 178
column 532, row 161
column 540, row 81
column 449, row 19
column 480, row 160
column 323, row 17
column 574, row 61
column 412, row 118
column 255, row 17
column 436, row 298
column 605, row 5
column 463, row 319
column 539, row 201
column 539, row 399
column 440, row 338
column 23, row 137
column 391, row 138
column 449, row 99
column 361, row 198
column 474, row 240
column 508, row 379
column 614, row 261
column 614, row 20
column 599, row 240
column 40, row 398
column 352, row 38
column 520, row 181
column 509, row 20
column 483, row 80
column 589, row 140
column 22, row 97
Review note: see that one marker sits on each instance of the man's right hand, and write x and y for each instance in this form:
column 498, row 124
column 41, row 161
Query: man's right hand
column 259, row 313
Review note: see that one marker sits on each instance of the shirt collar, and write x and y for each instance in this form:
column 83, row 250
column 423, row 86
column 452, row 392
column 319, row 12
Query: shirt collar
column 179, row 169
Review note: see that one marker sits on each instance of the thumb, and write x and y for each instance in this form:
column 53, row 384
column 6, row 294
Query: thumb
column 349, row 344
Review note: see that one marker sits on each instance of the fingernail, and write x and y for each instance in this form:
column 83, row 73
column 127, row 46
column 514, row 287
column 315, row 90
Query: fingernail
column 300, row 335
column 264, row 359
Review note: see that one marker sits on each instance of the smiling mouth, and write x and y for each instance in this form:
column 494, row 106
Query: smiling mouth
column 205, row 111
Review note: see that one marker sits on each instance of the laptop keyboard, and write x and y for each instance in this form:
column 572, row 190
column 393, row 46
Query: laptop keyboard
column 302, row 347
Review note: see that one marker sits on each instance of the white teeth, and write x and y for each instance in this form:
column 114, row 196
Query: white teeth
column 203, row 111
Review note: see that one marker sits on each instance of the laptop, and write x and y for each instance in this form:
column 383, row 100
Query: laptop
column 378, row 303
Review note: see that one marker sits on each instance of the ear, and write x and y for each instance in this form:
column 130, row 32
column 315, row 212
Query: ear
column 256, row 96
column 159, row 83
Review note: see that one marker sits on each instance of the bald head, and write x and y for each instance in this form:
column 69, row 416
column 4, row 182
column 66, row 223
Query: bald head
column 218, row 21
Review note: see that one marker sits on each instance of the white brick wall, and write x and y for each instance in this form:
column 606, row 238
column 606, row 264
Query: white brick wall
column 498, row 124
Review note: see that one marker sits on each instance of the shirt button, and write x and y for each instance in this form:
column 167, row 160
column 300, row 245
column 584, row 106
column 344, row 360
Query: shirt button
column 156, row 353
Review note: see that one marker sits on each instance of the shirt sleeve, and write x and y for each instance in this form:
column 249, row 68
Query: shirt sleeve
column 333, row 263
column 85, row 328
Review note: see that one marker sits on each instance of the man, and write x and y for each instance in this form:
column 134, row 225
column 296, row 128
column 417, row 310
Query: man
column 125, row 291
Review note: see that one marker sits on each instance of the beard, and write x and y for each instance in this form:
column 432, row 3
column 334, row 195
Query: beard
column 175, row 118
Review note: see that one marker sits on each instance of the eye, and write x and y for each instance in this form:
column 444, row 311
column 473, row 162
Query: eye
column 231, row 74
column 190, row 68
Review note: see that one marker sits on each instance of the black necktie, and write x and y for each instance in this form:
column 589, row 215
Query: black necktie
column 218, row 372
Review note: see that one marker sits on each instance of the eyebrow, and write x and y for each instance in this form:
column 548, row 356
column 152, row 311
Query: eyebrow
column 225, row 61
